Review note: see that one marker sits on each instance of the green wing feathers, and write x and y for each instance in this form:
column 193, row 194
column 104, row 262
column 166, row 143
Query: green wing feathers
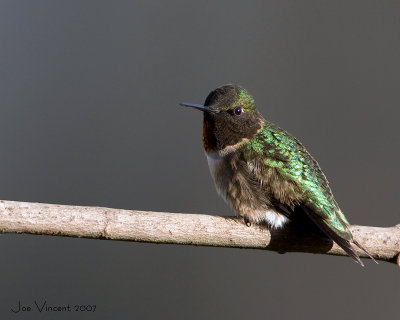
column 292, row 178
column 286, row 155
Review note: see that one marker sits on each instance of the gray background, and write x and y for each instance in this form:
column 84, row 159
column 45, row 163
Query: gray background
column 89, row 115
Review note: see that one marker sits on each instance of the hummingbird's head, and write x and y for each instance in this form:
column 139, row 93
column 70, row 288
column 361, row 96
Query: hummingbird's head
column 230, row 118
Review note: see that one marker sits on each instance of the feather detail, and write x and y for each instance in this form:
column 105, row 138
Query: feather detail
column 343, row 243
column 366, row 252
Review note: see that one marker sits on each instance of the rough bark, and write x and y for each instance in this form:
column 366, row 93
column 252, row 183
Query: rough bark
column 181, row 228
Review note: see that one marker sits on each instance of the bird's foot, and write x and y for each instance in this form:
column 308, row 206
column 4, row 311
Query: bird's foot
column 247, row 221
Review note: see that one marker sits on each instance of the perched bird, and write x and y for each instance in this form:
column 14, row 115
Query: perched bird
column 264, row 173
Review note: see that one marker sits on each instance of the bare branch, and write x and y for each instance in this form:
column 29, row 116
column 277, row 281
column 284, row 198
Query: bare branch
column 180, row 228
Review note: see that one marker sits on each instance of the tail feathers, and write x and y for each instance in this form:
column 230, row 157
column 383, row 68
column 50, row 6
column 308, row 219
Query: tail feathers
column 366, row 252
column 343, row 243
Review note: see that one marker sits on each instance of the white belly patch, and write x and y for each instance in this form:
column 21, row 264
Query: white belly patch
column 274, row 219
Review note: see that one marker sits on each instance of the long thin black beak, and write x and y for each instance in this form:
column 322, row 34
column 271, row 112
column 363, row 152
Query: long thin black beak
column 197, row 106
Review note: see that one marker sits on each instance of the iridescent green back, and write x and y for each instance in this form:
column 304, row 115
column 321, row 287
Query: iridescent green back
column 278, row 149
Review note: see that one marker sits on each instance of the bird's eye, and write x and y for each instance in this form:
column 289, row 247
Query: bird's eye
column 238, row 111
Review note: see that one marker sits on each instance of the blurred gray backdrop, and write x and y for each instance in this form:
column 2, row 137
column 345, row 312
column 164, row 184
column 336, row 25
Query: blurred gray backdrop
column 89, row 115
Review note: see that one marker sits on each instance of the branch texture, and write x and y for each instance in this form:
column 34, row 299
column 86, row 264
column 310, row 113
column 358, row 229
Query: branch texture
column 180, row 228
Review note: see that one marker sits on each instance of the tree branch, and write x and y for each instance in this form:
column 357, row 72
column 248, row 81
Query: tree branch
column 179, row 228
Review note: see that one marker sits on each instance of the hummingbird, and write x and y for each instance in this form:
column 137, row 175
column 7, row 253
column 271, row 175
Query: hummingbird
column 264, row 173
